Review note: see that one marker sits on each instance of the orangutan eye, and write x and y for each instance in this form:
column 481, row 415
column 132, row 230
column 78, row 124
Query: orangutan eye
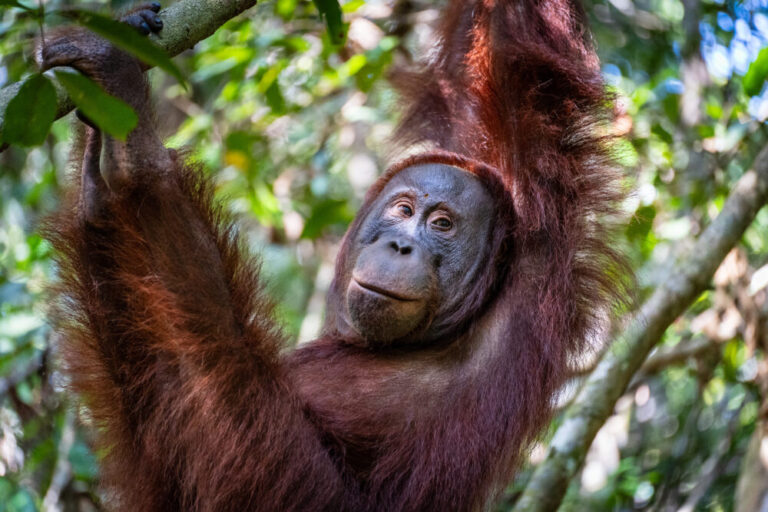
column 404, row 209
column 442, row 223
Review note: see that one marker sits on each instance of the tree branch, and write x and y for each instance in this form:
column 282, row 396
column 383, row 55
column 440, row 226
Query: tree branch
column 62, row 471
column 687, row 278
column 185, row 23
column 678, row 354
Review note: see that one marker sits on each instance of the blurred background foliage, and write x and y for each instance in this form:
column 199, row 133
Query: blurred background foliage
column 294, row 123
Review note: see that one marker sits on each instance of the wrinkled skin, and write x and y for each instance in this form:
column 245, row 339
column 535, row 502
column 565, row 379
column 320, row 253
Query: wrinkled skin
column 415, row 254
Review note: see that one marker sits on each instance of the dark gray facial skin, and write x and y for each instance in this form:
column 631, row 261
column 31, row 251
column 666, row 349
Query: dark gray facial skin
column 417, row 253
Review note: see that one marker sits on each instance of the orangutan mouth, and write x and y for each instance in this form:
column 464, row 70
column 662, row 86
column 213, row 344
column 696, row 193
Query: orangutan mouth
column 381, row 291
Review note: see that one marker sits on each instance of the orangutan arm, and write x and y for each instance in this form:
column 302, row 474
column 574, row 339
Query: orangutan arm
column 166, row 331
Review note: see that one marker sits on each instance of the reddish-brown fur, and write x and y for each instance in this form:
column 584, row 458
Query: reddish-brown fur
column 169, row 339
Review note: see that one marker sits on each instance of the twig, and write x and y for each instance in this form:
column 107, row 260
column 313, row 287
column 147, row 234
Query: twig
column 62, row 472
column 677, row 354
column 656, row 362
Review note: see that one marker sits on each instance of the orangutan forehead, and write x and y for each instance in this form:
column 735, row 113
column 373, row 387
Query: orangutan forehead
column 440, row 180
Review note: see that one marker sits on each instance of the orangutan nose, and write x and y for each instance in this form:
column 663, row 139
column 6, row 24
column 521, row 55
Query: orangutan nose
column 401, row 246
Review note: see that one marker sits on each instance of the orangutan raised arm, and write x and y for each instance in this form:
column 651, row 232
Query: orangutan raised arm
column 167, row 334
column 473, row 272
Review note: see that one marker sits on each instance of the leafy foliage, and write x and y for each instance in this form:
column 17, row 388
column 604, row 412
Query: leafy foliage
column 30, row 113
column 111, row 114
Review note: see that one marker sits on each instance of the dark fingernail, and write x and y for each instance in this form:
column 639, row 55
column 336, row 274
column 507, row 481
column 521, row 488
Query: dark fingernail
column 158, row 21
column 144, row 27
column 155, row 5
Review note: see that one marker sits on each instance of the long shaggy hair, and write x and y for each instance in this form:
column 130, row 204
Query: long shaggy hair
column 170, row 342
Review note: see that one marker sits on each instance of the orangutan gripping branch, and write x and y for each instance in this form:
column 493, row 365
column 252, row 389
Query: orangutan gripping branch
column 471, row 275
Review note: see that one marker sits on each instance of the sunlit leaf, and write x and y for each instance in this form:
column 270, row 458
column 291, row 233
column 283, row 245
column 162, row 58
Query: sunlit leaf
column 221, row 61
column 269, row 78
column 756, row 74
column 641, row 223
column 625, row 153
column 296, row 44
column 285, row 8
column 376, row 61
column 269, row 87
column 127, row 38
column 355, row 64
column 714, row 110
column 352, row 6
column 111, row 114
column 265, row 205
column 30, row 113
column 236, row 159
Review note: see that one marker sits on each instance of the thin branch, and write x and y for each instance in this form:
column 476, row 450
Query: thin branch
column 687, row 278
column 185, row 24
column 62, row 472
column 678, row 354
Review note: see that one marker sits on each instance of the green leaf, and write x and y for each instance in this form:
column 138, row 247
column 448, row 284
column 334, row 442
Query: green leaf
column 269, row 87
column 352, row 6
column 641, row 223
column 84, row 464
column 327, row 213
column 14, row 3
column 705, row 130
column 376, row 62
column 331, row 13
column 663, row 135
column 127, row 38
column 29, row 115
column 285, row 8
column 275, row 99
column 756, row 74
column 110, row 114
